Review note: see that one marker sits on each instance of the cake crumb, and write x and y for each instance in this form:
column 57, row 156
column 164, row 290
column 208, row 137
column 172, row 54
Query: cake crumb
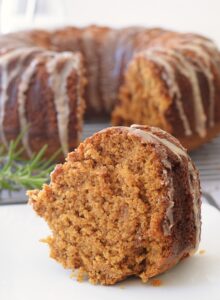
column 44, row 240
column 80, row 275
column 72, row 275
column 156, row 282
column 202, row 251
column 122, row 287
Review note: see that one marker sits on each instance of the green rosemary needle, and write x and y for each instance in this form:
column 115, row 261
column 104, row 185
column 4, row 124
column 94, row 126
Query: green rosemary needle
column 17, row 173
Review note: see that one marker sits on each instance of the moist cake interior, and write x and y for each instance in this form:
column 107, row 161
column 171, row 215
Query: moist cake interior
column 103, row 192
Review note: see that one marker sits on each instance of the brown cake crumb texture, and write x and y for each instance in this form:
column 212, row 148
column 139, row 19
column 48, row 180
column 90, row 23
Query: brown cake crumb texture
column 107, row 208
column 156, row 282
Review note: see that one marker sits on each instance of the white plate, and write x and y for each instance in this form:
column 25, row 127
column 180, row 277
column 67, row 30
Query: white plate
column 26, row 272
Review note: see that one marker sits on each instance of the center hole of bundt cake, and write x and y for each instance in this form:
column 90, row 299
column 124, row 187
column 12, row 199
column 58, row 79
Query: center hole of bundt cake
column 106, row 194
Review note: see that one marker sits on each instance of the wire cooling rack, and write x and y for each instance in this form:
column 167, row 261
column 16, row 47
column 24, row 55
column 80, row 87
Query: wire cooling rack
column 206, row 158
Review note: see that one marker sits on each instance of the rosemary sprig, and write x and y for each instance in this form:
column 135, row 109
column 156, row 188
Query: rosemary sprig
column 17, row 173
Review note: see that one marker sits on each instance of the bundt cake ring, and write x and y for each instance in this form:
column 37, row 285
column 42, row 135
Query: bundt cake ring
column 125, row 203
column 137, row 75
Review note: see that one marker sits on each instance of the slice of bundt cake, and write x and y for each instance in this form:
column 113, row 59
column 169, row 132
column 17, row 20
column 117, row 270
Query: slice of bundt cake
column 126, row 202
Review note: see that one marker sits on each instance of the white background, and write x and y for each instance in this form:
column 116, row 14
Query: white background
column 201, row 16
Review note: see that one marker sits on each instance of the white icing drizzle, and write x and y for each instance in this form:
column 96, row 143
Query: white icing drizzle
column 201, row 41
column 207, row 55
column 108, row 80
column 193, row 185
column 173, row 88
column 22, row 89
column 6, row 78
column 177, row 150
column 79, row 97
column 167, row 226
column 90, row 50
column 195, row 191
column 205, row 65
column 58, row 82
column 188, row 70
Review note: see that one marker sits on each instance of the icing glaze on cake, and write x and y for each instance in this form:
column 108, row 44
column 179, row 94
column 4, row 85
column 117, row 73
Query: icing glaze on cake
column 137, row 75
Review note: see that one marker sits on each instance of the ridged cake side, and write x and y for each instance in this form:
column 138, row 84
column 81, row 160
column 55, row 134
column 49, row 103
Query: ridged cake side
column 42, row 96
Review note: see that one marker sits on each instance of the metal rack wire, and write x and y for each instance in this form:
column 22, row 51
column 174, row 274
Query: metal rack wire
column 207, row 159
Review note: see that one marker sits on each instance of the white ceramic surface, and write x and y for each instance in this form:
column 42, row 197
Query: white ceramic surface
column 26, row 272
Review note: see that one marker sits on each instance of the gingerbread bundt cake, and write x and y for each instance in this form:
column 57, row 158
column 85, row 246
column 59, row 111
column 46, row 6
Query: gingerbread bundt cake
column 126, row 202
column 146, row 76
